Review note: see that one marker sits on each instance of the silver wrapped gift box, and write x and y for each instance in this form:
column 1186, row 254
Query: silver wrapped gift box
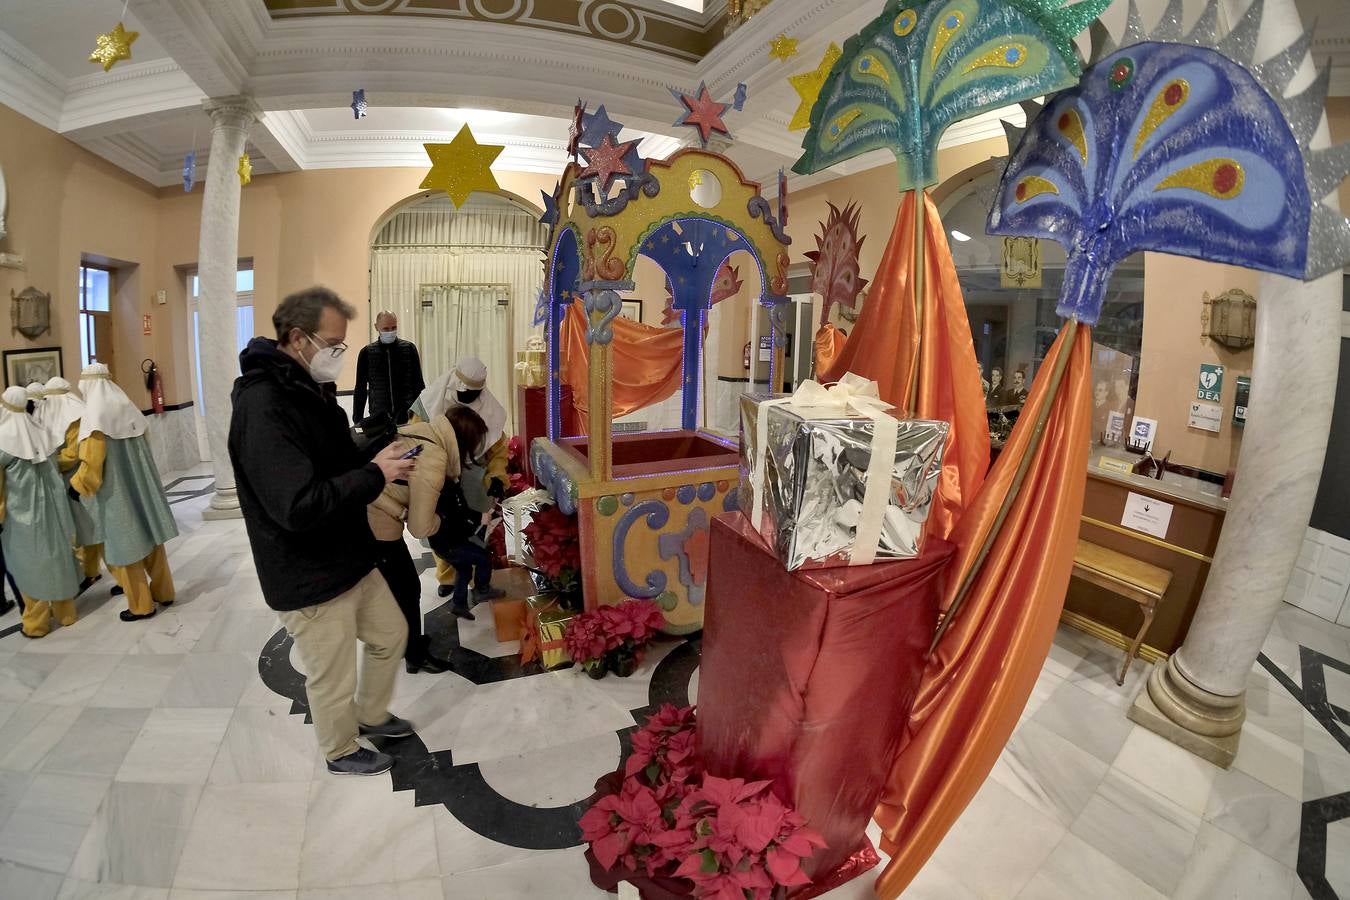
column 517, row 513
column 814, row 483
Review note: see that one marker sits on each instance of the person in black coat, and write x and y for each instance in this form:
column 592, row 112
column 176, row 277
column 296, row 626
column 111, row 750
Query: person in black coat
column 303, row 489
column 388, row 374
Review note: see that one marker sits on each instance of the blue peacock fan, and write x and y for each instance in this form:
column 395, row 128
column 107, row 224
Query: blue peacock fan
column 1182, row 146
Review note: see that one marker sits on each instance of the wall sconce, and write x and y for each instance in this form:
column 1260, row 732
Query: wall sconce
column 30, row 312
column 1230, row 319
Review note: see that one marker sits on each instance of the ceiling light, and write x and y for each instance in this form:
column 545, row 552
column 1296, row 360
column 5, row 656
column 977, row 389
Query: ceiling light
column 960, row 235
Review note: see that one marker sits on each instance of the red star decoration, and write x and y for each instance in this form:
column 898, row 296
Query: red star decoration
column 704, row 113
column 606, row 161
column 574, row 133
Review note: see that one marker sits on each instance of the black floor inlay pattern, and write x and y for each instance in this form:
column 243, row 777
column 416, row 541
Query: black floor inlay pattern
column 1319, row 813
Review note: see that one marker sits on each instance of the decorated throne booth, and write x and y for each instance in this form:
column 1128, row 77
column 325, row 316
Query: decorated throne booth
column 646, row 500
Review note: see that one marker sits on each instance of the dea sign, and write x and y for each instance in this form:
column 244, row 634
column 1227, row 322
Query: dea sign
column 1210, row 388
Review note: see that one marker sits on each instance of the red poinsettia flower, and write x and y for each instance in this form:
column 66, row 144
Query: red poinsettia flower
column 585, row 638
column 554, row 541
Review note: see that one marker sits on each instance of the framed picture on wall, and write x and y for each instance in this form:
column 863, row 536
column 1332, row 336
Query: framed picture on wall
column 23, row 367
column 632, row 309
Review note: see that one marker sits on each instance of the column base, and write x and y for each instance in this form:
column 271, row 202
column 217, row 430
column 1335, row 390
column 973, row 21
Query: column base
column 1206, row 724
column 224, row 505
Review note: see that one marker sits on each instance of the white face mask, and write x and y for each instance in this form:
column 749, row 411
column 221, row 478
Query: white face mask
column 388, row 337
column 326, row 364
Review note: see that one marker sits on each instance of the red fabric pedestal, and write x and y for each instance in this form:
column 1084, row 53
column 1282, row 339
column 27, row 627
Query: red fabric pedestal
column 807, row 679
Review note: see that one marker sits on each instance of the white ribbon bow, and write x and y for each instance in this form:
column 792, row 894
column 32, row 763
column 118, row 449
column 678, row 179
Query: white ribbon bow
column 852, row 395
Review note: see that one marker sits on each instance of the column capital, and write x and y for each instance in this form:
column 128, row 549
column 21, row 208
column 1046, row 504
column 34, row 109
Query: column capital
column 237, row 111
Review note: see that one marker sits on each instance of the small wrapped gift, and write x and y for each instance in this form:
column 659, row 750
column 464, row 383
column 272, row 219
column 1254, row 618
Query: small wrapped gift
column 830, row 478
column 508, row 611
column 518, row 512
column 541, row 635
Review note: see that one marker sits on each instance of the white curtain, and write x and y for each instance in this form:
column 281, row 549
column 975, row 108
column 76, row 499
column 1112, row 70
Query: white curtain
column 467, row 259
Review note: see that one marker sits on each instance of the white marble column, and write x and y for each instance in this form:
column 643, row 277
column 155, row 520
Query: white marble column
column 1197, row 698
column 217, row 266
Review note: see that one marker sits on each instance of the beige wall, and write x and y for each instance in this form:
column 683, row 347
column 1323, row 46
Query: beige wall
column 299, row 229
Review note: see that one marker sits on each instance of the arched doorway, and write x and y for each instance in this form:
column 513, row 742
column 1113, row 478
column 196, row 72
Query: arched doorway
column 461, row 281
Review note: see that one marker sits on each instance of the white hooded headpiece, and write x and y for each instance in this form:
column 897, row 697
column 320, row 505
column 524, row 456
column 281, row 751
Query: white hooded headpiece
column 20, row 436
column 107, row 408
column 469, row 374
column 60, row 407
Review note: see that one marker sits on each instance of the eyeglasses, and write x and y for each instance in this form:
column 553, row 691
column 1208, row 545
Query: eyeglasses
column 334, row 350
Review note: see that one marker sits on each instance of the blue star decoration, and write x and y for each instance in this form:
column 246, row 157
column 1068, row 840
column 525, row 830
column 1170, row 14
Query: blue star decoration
column 550, row 216
column 359, row 104
column 189, row 171
column 738, row 103
column 597, row 125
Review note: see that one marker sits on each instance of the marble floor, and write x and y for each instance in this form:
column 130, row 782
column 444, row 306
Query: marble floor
column 172, row 759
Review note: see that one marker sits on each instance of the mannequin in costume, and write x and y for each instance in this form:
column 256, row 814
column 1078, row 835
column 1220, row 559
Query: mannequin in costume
column 466, row 385
column 38, row 529
column 34, row 393
column 62, row 409
column 115, row 468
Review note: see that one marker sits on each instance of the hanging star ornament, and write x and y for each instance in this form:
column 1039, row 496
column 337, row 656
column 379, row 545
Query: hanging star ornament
column 245, row 169
column 809, row 85
column 359, row 104
column 782, row 48
column 189, row 171
column 606, row 162
column 701, row 111
column 113, row 47
column 461, row 167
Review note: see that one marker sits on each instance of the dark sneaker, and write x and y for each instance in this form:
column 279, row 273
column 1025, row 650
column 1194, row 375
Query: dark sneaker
column 394, row 727
column 444, row 590
column 487, row 595
column 362, row 762
column 462, row 612
column 127, row 615
column 116, row 590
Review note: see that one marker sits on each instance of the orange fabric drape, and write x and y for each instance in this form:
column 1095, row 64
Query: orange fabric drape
column 975, row 687
column 884, row 342
column 829, row 344
column 647, row 362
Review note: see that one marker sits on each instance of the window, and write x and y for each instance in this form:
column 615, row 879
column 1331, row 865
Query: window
column 95, row 294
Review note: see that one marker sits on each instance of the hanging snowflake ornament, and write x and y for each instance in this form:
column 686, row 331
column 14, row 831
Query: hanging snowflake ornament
column 738, row 103
column 189, row 171
column 359, row 105
column 782, row 48
column 703, row 113
column 113, row 47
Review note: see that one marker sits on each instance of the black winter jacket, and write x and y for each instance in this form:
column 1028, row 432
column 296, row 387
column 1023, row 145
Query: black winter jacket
column 390, row 377
column 303, row 485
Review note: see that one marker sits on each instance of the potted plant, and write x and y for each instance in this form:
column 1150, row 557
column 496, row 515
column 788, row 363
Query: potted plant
column 586, row 642
column 630, row 627
column 555, row 545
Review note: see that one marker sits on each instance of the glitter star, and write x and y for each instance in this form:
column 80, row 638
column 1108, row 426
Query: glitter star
column 359, row 104
column 809, row 85
column 245, row 169
column 189, row 171
column 550, row 216
column 606, row 161
column 782, row 48
column 578, row 128
column 111, row 48
column 703, row 112
column 461, row 167
column 597, row 125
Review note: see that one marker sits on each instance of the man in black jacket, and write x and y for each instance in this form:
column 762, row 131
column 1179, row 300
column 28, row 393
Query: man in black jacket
column 388, row 372
column 303, row 488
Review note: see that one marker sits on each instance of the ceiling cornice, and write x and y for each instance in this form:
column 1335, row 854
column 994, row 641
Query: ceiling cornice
column 28, row 85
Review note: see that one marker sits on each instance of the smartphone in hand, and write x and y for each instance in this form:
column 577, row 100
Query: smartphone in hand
column 413, row 453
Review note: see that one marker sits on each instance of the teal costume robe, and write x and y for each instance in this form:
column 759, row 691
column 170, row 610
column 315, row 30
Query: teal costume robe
column 39, row 529
column 130, row 510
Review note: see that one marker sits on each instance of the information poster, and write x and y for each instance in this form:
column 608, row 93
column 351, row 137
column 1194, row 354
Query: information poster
column 1206, row 416
column 1143, row 432
column 1147, row 515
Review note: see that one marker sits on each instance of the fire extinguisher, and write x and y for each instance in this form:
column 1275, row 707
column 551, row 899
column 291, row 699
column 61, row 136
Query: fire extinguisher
column 745, row 361
column 154, row 384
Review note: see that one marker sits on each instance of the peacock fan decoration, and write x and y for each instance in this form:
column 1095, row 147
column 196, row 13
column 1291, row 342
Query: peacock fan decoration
column 1182, row 146
column 836, row 273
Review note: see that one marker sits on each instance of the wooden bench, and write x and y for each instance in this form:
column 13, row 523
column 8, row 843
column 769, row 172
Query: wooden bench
column 1141, row 582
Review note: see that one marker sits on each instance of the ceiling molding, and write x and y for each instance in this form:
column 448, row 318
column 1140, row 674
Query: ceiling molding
column 130, row 92
column 191, row 33
column 30, row 86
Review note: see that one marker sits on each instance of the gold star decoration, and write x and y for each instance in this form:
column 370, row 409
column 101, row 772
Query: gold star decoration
column 113, row 47
column 809, row 85
column 245, row 170
column 461, row 167
column 695, row 178
column 782, row 48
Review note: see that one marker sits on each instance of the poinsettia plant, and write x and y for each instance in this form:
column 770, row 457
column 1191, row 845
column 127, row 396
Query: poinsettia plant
column 728, row 838
column 555, row 546
column 612, row 638
column 585, row 640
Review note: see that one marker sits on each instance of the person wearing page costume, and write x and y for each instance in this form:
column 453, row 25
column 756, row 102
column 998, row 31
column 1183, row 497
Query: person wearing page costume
column 37, row 527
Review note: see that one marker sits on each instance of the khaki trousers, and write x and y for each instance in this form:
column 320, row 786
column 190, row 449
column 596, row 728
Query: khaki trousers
column 90, row 557
column 325, row 637
column 37, row 615
column 445, row 573
column 146, row 583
